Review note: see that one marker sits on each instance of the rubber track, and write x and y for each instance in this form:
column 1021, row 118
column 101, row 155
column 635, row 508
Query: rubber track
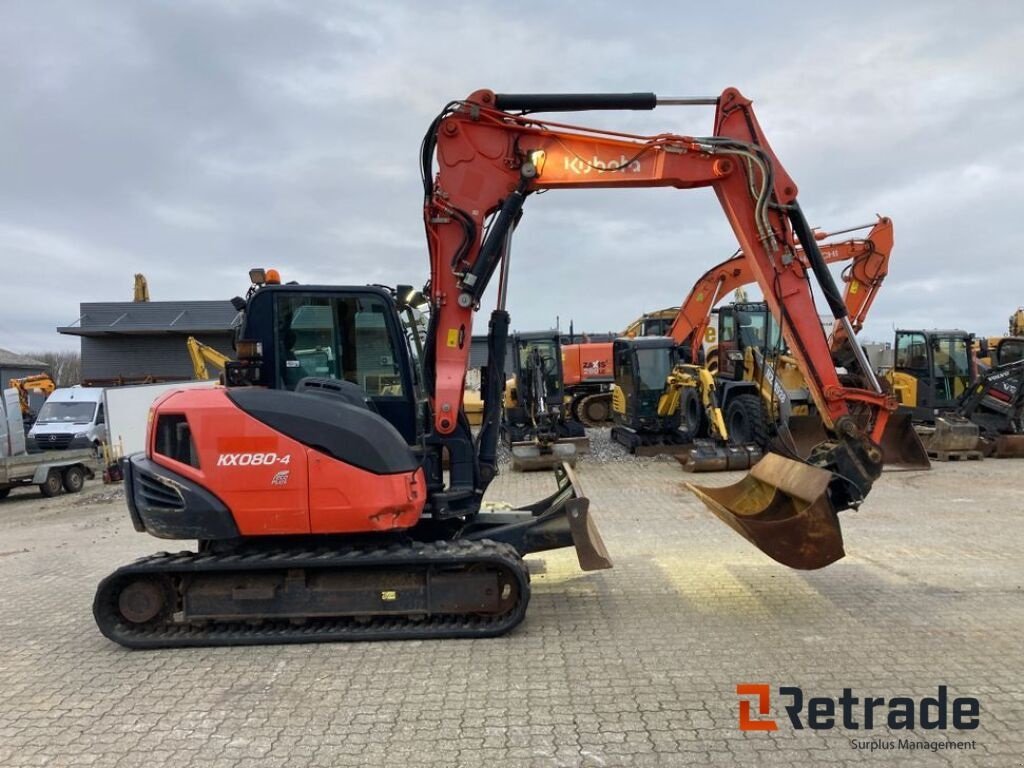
column 275, row 631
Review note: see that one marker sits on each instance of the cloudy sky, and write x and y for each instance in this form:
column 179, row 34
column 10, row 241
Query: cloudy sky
column 192, row 140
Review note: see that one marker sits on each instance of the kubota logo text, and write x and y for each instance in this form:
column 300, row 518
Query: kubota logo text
column 582, row 167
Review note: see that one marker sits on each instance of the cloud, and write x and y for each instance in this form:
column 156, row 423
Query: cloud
column 193, row 140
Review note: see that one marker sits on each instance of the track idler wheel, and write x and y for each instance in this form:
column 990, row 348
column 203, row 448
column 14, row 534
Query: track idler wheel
column 782, row 508
column 595, row 410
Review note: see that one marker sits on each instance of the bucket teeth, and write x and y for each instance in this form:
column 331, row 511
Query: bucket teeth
column 782, row 508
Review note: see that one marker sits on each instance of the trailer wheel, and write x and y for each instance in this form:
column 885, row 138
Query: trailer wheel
column 52, row 485
column 74, row 479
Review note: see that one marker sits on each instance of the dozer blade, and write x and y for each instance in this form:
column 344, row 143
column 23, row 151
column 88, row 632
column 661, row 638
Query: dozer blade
column 562, row 519
column 590, row 548
column 901, row 446
column 782, row 508
column 1008, row 447
column 527, row 457
column 953, row 433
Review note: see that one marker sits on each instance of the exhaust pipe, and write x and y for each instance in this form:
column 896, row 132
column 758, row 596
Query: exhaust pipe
column 782, row 507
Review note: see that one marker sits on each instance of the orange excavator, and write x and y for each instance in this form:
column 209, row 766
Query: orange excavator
column 319, row 501
column 589, row 369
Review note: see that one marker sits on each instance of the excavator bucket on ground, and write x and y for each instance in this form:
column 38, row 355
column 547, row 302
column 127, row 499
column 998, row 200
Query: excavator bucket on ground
column 901, row 446
column 782, row 508
column 801, row 434
column 712, row 456
column 1008, row 447
column 951, row 434
column 529, row 456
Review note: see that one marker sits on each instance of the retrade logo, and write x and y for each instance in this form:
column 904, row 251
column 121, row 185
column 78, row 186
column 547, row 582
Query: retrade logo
column 764, row 706
column 939, row 712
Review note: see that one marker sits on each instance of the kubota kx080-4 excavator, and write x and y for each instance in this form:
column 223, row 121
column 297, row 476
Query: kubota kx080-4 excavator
column 323, row 513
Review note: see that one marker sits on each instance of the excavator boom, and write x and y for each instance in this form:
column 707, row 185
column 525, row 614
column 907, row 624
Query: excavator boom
column 490, row 159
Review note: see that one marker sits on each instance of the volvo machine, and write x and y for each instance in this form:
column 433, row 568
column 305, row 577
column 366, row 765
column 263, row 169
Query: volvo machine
column 314, row 483
column 961, row 405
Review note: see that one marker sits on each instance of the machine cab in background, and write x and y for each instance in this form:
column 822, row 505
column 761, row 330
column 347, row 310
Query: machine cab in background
column 344, row 333
column 537, row 357
column 931, row 369
column 742, row 325
column 641, row 367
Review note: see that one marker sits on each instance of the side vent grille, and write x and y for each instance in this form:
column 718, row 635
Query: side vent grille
column 156, row 495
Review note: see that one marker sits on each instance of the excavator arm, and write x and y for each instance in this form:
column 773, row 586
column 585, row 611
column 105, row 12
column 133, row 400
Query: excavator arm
column 491, row 155
column 862, row 278
column 204, row 357
column 39, row 382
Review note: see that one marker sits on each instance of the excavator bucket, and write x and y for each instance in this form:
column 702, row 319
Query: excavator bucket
column 782, row 508
column 901, row 446
column 804, row 432
column 1007, row 447
column 529, row 456
column 953, row 434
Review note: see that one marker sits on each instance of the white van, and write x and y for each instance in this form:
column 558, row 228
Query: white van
column 70, row 418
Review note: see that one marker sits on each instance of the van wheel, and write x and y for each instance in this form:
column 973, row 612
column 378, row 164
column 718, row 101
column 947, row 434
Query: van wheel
column 74, row 479
column 52, row 485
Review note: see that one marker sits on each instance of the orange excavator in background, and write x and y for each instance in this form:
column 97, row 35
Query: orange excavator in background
column 321, row 508
column 589, row 371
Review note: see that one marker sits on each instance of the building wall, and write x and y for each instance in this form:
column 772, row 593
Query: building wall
column 8, row 372
column 135, row 356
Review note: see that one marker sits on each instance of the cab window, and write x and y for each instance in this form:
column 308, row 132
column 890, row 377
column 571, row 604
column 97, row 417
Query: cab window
column 337, row 338
column 911, row 352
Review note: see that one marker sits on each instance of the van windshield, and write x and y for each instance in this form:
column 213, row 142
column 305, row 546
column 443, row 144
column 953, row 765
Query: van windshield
column 66, row 412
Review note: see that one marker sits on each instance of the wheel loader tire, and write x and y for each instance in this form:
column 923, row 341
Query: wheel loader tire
column 746, row 421
column 694, row 416
column 595, row 410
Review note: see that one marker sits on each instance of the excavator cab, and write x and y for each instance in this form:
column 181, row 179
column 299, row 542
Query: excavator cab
column 353, row 334
column 641, row 367
column 743, row 326
column 931, row 370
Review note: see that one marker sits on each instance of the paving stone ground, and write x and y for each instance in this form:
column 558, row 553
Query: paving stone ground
column 636, row 666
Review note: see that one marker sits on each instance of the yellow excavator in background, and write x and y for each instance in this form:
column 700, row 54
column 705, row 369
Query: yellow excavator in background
column 37, row 384
column 141, row 288
column 204, row 357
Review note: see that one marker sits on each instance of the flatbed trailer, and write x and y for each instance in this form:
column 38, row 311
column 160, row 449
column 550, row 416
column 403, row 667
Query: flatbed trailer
column 51, row 471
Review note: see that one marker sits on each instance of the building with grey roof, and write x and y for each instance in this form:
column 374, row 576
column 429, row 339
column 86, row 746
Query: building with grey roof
column 15, row 366
column 132, row 342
